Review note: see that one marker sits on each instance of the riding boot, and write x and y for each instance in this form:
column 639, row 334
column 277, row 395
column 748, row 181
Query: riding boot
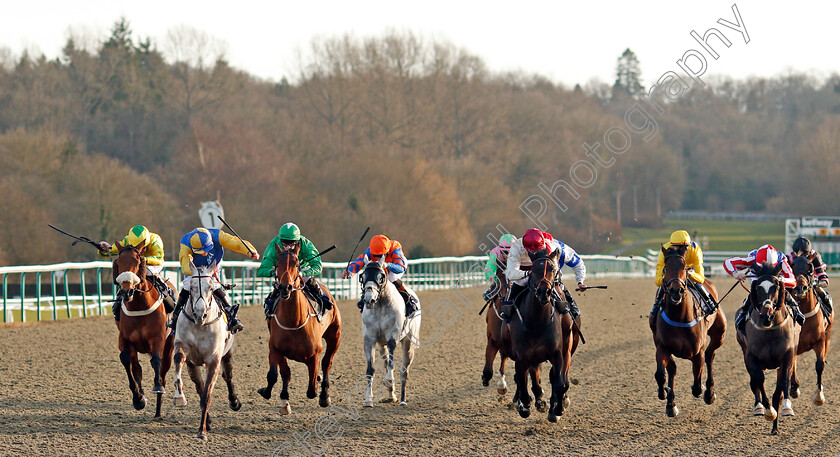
column 798, row 317
column 411, row 303
column 165, row 292
column 825, row 298
column 316, row 291
column 658, row 300
column 118, row 304
column 507, row 306
column 573, row 307
column 741, row 315
column 230, row 310
column 182, row 300
column 270, row 302
column 710, row 304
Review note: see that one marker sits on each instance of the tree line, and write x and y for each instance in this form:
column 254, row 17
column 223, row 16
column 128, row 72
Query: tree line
column 415, row 138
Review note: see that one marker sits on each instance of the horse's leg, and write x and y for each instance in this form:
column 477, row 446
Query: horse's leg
column 762, row 404
column 819, row 365
column 206, row 397
column 671, row 407
column 387, row 353
column 490, row 351
column 521, row 378
column 165, row 364
column 271, row 377
column 333, row 338
column 285, row 376
column 537, row 389
column 312, row 366
column 661, row 361
column 716, row 333
column 227, row 374
column 697, row 371
column 178, row 359
column 369, row 359
column 794, row 381
column 126, row 351
column 138, row 374
column 408, row 357
column 783, row 374
column 156, row 362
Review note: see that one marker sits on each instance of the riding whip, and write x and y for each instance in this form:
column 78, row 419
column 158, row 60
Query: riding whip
column 591, row 287
column 77, row 238
column 320, row 253
column 484, row 307
column 357, row 246
column 730, row 290
column 237, row 235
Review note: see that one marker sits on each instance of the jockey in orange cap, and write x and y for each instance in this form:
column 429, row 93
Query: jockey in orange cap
column 537, row 242
column 395, row 263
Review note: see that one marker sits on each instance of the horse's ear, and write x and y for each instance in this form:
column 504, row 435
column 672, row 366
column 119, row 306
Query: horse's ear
column 278, row 248
column 141, row 248
column 778, row 269
column 662, row 248
column 810, row 268
column 297, row 249
column 555, row 255
column 193, row 268
column 118, row 245
column 381, row 260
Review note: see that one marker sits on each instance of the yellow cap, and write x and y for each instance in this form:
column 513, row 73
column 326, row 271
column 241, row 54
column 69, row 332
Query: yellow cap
column 680, row 237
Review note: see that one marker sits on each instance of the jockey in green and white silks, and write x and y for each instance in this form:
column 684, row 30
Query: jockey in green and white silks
column 310, row 264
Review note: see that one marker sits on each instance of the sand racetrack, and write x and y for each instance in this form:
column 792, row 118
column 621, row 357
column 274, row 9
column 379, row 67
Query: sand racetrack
column 64, row 392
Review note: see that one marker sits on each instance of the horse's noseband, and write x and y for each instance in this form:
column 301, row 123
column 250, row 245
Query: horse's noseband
column 676, row 294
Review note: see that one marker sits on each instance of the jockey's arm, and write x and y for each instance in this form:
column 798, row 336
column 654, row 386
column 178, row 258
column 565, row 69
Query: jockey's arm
column 576, row 263
column 491, row 266
column 185, row 256
column 307, row 251
column 266, row 268
column 234, row 244
column 154, row 251
column 694, row 259
column 513, row 271
column 660, row 269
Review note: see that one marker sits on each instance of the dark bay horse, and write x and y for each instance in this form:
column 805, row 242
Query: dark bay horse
column 142, row 324
column 295, row 333
column 539, row 333
column 680, row 330
column 815, row 334
column 769, row 341
column 497, row 343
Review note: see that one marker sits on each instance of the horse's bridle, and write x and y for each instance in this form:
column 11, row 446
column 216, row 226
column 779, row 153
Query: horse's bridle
column 140, row 273
column 198, row 276
column 676, row 295
column 286, row 289
column 800, row 291
column 380, row 280
column 550, row 284
column 775, row 305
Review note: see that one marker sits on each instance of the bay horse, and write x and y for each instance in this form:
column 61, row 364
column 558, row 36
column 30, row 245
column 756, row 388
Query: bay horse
column 497, row 343
column 202, row 339
column 769, row 342
column 815, row 334
column 142, row 324
column 681, row 329
column 538, row 333
column 295, row 332
column 384, row 325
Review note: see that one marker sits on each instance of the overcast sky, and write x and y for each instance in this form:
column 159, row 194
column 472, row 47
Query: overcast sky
column 568, row 42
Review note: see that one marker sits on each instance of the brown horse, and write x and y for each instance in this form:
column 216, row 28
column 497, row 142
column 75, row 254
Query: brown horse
column 680, row 330
column 815, row 334
column 295, row 332
column 497, row 344
column 142, row 324
column 538, row 333
column 769, row 342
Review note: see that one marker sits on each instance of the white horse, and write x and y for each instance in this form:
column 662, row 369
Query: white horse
column 384, row 325
column 202, row 338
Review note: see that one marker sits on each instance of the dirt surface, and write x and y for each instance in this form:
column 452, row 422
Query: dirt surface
column 64, row 392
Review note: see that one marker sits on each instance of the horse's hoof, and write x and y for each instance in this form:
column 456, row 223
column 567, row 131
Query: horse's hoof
column 235, row 404
column 661, row 393
column 524, row 411
column 403, row 403
column 368, row 404
column 139, row 403
column 486, row 377
column 540, row 405
column 696, row 391
column 158, row 418
column 551, row 416
column 202, row 437
column 709, row 397
column 502, row 390
column 787, row 408
column 286, row 410
column 794, row 393
column 265, row 392
column 388, row 400
column 672, row 411
column 819, row 398
column 311, row 393
column 758, row 410
column 158, row 390
column 770, row 415
column 775, row 431
column 324, row 401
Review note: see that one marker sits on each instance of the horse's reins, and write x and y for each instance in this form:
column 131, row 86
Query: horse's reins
column 683, row 285
column 192, row 302
column 776, row 306
column 292, row 289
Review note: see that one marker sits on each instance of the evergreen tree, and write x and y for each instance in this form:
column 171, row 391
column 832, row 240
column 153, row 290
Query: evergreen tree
column 628, row 75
